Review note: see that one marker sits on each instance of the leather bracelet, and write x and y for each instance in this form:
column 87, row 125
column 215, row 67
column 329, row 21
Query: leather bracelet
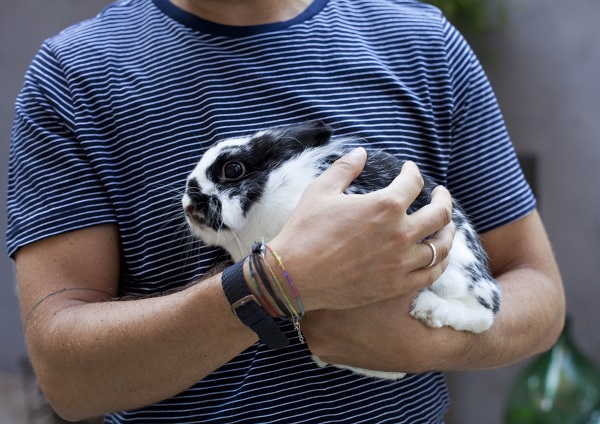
column 248, row 308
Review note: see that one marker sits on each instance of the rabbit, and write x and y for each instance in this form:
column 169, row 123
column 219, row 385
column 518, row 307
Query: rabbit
column 244, row 189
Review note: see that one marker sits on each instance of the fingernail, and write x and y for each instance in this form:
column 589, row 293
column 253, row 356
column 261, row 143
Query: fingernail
column 356, row 152
column 410, row 163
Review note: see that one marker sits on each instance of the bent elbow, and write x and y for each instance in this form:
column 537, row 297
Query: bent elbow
column 66, row 400
column 62, row 383
column 553, row 332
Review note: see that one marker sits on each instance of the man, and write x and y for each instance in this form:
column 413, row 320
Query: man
column 115, row 112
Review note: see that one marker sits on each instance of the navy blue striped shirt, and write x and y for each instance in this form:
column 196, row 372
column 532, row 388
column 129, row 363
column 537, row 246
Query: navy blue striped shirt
column 115, row 112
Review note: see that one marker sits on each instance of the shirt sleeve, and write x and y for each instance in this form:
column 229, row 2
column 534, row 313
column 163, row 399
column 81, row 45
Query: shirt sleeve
column 53, row 187
column 483, row 168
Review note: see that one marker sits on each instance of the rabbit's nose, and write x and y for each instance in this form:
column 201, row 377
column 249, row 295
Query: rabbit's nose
column 202, row 202
column 198, row 199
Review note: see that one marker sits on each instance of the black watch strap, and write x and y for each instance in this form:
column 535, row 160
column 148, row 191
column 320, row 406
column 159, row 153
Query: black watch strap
column 249, row 310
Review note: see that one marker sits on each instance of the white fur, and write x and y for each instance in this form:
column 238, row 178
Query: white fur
column 448, row 301
column 384, row 375
column 263, row 221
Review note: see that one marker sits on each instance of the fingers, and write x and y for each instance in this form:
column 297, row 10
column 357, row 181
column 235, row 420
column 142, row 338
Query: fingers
column 403, row 191
column 432, row 256
column 405, row 188
column 435, row 216
column 343, row 171
column 368, row 245
column 441, row 243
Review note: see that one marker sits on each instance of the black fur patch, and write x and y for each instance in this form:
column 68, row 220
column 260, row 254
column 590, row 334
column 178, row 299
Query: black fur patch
column 476, row 273
column 263, row 154
column 380, row 170
column 209, row 206
column 494, row 306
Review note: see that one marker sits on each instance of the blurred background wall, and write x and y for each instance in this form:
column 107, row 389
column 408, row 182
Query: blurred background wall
column 545, row 67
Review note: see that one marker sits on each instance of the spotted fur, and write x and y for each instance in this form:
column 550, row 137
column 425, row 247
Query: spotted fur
column 244, row 189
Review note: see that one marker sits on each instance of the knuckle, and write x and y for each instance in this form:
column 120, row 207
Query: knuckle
column 443, row 250
column 430, row 278
column 419, row 181
column 402, row 237
column 444, row 264
column 391, row 204
column 445, row 215
column 434, row 274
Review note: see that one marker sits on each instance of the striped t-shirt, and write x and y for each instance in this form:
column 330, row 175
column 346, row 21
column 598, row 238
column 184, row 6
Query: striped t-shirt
column 115, row 112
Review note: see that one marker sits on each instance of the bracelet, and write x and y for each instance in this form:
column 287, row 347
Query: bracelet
column 289, row 279
column 288, row 303
column 263, row 299
column 256, row 258
column 248, row 309
column 259, row 252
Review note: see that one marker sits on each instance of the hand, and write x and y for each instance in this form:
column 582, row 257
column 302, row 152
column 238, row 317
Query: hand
column 383, row 336
column 345, row 251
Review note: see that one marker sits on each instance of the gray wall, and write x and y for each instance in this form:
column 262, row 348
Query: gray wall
column 544, row 67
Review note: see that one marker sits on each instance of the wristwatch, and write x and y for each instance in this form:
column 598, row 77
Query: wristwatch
column 248, row 309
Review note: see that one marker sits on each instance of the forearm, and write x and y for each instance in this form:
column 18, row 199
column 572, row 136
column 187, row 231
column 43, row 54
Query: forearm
column 93, row 358
column 529, row 322
column 385, row 337
column 533, row 303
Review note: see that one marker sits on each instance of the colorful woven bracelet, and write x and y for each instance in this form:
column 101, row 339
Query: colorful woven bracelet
column 289, row 279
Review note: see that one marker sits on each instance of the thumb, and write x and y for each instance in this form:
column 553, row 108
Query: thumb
column 343, row 171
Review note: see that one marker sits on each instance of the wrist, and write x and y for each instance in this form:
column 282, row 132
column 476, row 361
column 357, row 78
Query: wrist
column 248, row 308
column 273, row 285
column 269, row 280
column 299, row 271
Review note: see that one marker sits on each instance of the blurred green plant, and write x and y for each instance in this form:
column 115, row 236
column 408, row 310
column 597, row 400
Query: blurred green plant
column 473, row 17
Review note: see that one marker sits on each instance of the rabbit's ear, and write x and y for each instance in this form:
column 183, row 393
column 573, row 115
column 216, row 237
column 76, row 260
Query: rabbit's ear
column 309, row 134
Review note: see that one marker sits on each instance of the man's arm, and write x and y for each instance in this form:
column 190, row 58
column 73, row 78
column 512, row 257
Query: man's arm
column 533, row 315
column 93, row 354
column 383, row 336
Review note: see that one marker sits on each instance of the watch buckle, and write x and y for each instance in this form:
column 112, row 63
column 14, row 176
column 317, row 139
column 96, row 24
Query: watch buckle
column 243, row 301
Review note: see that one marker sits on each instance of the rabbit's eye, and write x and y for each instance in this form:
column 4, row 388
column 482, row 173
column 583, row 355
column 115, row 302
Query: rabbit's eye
column 232, row 171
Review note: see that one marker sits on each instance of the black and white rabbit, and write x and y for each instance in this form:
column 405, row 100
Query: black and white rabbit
column 244, row 189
